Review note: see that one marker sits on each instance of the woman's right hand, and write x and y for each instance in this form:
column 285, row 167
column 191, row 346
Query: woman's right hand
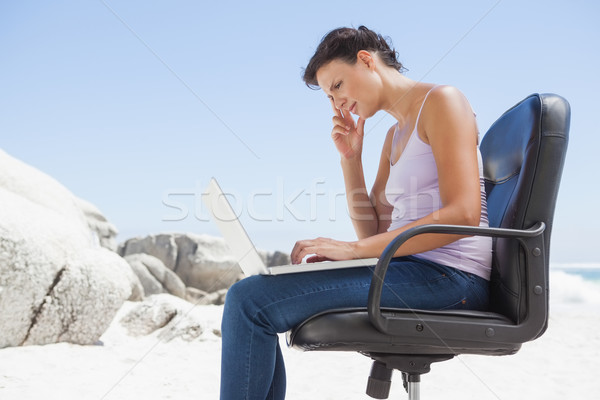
column 347, row 135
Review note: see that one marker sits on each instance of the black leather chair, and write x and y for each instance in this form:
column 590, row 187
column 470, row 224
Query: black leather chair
column 523, row 155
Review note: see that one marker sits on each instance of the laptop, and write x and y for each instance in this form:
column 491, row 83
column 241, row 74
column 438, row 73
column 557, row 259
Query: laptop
column 243, row 249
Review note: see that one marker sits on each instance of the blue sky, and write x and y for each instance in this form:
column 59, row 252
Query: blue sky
column 134, row 105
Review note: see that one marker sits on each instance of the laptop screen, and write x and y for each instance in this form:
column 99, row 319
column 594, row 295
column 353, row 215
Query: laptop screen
column 232, row 230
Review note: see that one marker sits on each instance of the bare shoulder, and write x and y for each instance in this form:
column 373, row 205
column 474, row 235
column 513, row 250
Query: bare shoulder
column 446, row 98
column 448, row 110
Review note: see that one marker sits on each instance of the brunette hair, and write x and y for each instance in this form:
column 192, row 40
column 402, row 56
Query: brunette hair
column 343, row 44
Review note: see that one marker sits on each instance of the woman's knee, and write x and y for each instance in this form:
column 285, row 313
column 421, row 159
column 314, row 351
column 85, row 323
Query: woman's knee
column 243, row 294
column 247, row 304
column 234, row 293
column 234, row 310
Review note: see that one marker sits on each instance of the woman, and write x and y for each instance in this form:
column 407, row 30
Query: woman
column 430, row 172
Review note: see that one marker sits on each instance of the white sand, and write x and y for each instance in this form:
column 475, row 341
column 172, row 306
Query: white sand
column 562, row 364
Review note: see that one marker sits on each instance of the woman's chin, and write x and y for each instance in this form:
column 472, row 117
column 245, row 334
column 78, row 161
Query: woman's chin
column 359, row 114
column 364, row 115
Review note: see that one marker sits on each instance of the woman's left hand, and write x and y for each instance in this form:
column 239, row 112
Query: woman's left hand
column 323, row 249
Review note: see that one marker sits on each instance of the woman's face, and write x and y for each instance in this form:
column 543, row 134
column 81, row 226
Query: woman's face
column 351, row 86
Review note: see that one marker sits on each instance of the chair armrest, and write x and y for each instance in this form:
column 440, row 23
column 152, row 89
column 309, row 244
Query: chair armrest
column 530, row 239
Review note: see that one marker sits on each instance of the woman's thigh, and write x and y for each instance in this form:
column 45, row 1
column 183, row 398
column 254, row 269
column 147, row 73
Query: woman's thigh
column 281, row 302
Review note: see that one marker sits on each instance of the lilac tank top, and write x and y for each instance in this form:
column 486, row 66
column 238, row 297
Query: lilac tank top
column 413, row 190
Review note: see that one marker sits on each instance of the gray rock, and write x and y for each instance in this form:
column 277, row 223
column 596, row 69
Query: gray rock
column 52, row 287
column 217, row 298
column 210, row 267
column 97, row 222
column 194, row 295
column 137, row 289
column 36, row 187
column 168, row 279
column 161, row 246
column 84, row 297
column 26, row 276
column 200, row 297
column 187, row 246
column 167, row 316
column 56, row 283
column 149, row 283
column 155, row 276
column 148, row 316
column 201, row 261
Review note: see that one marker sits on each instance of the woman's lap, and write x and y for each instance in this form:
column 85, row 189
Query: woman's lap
column 283, row 301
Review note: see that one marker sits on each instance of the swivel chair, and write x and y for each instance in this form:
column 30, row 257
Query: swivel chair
column 523, row 154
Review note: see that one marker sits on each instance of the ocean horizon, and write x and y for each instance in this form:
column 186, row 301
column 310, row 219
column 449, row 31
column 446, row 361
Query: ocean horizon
column 588, row 271
column 575, row 285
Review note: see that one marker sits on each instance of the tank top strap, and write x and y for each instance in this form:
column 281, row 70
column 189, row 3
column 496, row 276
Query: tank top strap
column 424, row 100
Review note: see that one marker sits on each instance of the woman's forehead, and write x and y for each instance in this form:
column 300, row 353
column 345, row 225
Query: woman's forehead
column 328, row 72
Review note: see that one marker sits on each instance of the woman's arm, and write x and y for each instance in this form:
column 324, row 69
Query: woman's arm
column 370, row 213
column 448, row 125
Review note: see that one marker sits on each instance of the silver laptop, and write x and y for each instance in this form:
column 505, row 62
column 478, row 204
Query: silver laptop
column 243, row 249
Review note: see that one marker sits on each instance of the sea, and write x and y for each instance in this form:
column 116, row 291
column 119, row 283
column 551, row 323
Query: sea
column 575, row 285
column 589, row 272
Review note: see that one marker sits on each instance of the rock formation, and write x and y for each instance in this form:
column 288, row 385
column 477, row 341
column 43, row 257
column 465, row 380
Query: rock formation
column 201, row 261
column 56, row 282
column 63, row 279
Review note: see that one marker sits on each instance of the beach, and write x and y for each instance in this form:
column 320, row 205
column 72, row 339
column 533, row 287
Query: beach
column 562, row 364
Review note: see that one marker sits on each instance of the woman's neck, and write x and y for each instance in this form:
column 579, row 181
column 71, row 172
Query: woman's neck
column 398, row 94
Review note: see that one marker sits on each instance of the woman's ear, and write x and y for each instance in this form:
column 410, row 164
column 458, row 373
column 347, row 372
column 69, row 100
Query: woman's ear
column 366, row 58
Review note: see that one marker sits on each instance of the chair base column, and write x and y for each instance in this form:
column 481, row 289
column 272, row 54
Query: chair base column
column 412, row 384
column 411, row 366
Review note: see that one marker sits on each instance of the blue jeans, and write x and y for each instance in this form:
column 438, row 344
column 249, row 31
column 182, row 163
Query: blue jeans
column 259, row 307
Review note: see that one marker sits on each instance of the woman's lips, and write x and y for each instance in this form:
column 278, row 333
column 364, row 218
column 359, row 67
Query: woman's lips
column 352, row 108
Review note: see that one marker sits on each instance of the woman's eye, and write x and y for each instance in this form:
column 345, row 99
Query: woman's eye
column 337, row 86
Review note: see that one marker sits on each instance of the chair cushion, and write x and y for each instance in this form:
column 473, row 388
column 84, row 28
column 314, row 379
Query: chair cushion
column 351, row 330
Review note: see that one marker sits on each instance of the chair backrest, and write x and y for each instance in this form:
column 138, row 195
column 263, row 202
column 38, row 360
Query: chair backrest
column 523, row 155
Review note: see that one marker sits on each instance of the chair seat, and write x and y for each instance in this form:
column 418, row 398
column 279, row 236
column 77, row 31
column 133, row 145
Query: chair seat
column 351, row 330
